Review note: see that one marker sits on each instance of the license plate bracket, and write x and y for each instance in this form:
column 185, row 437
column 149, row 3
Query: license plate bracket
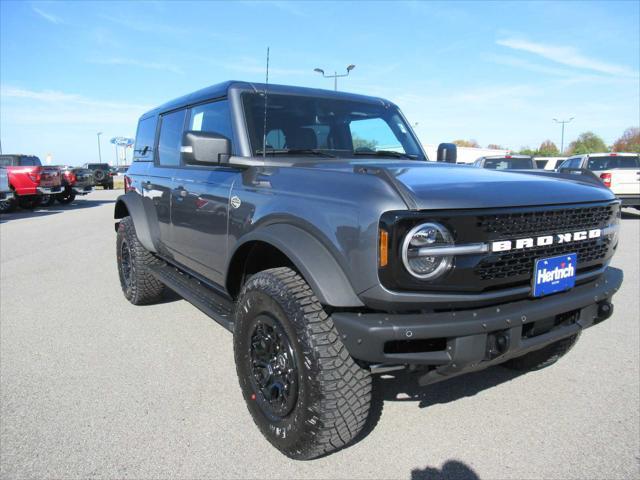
column 554, row 274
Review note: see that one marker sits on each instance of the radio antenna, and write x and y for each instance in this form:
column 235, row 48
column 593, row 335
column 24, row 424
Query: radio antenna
column 264, row 135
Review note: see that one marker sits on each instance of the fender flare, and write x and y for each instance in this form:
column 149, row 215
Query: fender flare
column 312, row 259
column 143, row 213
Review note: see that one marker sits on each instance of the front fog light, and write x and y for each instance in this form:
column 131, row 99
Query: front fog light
column 420, row 251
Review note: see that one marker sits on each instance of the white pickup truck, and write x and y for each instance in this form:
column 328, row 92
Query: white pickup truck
column 618, row 171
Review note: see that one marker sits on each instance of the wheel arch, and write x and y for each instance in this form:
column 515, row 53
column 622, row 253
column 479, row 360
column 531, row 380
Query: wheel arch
column 143, row 215
column 279, row 245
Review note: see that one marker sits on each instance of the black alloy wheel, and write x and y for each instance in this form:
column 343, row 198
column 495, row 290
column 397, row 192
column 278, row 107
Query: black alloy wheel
column 274, row 373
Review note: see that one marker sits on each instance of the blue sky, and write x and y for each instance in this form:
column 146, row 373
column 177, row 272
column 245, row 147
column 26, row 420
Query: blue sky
column 496, row 72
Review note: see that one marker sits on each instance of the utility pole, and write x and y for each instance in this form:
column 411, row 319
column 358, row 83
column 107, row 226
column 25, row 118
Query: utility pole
column 563, row 122
column 99, row 149
column 335, row 75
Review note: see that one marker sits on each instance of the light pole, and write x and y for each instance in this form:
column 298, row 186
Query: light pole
column 335, row 75
column 99, row 150
column 563, row 122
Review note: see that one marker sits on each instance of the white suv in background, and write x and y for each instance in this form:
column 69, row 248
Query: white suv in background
column 618, row 171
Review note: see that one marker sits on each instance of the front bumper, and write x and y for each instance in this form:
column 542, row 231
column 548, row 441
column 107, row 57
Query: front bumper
column 455, row 342
column 5, row 196
column 50, row 190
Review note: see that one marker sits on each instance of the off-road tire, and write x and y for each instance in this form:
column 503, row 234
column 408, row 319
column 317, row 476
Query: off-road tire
column 48, row 200
column 333, row 391
column 140, row 287
column 66, row 197
column 544, row 357
column 7, row 206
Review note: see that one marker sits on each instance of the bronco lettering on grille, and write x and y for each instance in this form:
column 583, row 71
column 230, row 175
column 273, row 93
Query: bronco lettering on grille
column 522, row 243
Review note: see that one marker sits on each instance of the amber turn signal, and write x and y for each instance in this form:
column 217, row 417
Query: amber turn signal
column 384, row 248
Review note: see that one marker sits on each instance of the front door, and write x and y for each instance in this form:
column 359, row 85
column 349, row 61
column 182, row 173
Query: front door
column 200, row 200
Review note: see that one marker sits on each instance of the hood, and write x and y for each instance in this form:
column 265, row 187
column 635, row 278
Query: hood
column 432, row 186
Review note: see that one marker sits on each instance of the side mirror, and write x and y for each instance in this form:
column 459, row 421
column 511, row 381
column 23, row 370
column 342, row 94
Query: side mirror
column 204, row 148
column 447, row 152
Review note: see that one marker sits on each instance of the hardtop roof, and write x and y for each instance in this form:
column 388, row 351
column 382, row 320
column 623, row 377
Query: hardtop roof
column 222, row 89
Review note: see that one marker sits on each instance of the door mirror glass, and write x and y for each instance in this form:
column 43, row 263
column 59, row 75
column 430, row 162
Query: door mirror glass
column 204, row 148
column 447, row 152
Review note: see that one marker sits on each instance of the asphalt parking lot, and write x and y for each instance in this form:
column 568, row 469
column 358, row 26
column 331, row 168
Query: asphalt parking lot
column 92, row 386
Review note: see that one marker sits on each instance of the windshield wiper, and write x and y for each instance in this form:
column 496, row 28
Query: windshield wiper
column 297, row 151
column 387, row 153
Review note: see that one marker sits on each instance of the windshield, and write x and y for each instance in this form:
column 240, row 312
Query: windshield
column 508, row 163
column 19, row 161
column 612, row 162
column 328, row 127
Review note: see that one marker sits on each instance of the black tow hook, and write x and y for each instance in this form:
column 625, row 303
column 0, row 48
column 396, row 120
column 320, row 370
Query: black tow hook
column 605, row 310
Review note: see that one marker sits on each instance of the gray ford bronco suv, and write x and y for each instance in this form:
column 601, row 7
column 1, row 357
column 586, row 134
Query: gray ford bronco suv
column 311, row 224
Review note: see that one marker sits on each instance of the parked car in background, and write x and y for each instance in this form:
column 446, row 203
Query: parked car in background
column 75, row 181
column 6, row 194
column 548, row 163
column 102, row 174
column 618, row 171
column 32, row 183
column 505, row 162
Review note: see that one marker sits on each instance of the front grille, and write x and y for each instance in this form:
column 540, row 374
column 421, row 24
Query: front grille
column 513, row 264
column 545, row 222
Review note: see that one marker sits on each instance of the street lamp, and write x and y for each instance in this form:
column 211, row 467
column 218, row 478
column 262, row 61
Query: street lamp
column 335, row 75
column 99, row 151
column 563, row 122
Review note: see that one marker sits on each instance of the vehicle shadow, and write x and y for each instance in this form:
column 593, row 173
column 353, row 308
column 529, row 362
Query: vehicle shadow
column 78, row 204
column 403, row 386
column 451, row 470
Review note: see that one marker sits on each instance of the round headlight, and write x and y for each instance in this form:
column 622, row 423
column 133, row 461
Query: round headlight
column 415, row 253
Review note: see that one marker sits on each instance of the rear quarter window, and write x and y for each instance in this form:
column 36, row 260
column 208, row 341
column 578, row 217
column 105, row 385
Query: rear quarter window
column 145, row 139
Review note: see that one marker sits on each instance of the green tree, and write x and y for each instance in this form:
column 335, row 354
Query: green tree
column 363, row 143
column 527, row 151
column 467, row 143
column 629, row 141
column 495, row 146
column 587, row 142
column 548, row 149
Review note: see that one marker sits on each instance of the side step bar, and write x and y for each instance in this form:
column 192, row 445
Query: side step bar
column 197, row 293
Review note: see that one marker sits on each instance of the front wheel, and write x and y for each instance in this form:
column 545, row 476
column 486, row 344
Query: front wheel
column 302, row 388
column 7, row 206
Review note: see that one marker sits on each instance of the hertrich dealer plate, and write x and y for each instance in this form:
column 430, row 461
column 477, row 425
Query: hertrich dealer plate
column 554, row 274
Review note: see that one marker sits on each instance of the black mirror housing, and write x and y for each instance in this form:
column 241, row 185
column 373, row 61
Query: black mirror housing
column 204, row 148
column 447, row 152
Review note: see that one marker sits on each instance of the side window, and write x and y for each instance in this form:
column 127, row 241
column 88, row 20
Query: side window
column 575, row 162
column 171, row 129
column 145, row 139
column 212, row 117
column 372, row 134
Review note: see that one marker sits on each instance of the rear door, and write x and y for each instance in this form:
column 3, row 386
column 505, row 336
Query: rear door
column 157, row 184
column 200, row 199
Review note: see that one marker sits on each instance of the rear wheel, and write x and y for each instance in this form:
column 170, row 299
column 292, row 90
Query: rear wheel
column 67, row 196
column 48, row 200
column 544, row 357
column 139, row 286
column 302, row 388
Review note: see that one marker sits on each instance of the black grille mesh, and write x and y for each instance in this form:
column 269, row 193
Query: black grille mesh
column 522, row 262
column 546, row 222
